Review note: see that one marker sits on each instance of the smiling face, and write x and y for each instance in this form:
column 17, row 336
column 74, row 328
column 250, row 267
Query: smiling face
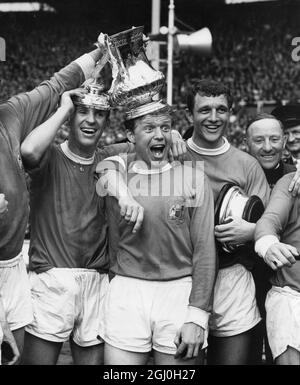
column 211, row 116
column 266, row 142
column 293, row 141
column 87, row 125
column 152, row 138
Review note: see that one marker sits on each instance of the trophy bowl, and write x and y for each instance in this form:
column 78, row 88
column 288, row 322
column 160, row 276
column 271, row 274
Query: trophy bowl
column 232, row 201
column 135, row 81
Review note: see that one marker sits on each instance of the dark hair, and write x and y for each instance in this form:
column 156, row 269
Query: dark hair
column 207, row 87
column 166, row 110
column 263, row 116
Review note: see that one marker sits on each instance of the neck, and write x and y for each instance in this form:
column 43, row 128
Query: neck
column 200, row 142
column 83, row 152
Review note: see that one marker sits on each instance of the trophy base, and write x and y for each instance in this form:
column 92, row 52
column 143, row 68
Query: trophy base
column 144, row 110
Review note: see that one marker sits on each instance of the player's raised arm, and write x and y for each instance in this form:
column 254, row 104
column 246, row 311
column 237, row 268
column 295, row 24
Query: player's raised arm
column 28, row 110
column 270, row 227
column 36, row 143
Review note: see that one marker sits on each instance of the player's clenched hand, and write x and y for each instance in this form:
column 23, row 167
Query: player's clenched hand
column 189, row 340
column 3, row 204
column 280, row 254
column 178, row 148
column 132, row 211
column 66, row 102
column 10, row 340
column 236, row 231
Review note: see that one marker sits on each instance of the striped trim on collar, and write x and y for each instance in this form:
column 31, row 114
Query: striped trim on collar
column 74, row 157
column 145, row 171
column 209, row 151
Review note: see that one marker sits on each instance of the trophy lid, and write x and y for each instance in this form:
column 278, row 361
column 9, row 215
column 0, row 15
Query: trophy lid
column 94, row 98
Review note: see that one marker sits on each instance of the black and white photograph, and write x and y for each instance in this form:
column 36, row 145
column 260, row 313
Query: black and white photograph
column 150, row 185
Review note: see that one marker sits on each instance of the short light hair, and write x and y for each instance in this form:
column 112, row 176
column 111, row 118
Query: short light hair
column 166, row 110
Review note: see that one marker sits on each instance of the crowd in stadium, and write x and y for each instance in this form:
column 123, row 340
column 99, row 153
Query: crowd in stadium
column 251, row 54
column 162, row 248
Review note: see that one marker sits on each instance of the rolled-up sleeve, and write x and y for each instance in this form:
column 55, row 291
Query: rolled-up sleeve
column 276, row 216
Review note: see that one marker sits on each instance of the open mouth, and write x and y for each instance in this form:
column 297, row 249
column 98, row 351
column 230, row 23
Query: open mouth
column 158, row 150
column 212, row 127
column 88, row 131
column 268, row 157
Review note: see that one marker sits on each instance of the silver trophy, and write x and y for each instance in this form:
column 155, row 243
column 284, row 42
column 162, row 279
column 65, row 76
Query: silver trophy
column 232, row 201
column 135, row 81
column 96, row 87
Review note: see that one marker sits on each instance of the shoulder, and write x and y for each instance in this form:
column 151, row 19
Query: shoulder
column 286, row 179
column 119, row 162
column 190, row 154
column 116, row 149
column 282, row 186
column 250, row 165
column 243, row 156
column 55, row 151
column 192, row 172
column 50, row 160
column 8, row 113
column 188, row 168
column 287, row 168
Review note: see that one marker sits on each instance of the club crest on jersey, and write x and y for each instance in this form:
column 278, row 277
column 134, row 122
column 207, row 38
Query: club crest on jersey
column 176, row 212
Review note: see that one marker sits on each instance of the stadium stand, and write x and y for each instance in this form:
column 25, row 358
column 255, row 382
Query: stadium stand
column 251, row 53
